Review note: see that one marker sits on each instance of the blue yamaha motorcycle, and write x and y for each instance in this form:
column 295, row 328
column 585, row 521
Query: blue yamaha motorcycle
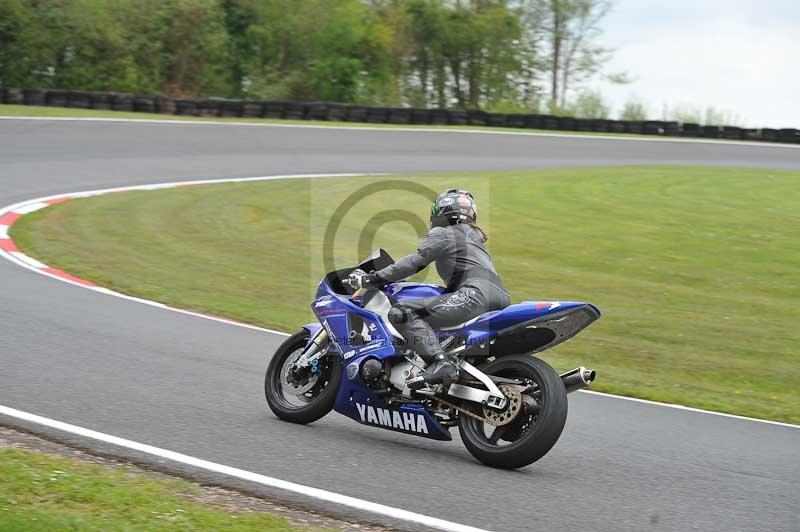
column 509, row 406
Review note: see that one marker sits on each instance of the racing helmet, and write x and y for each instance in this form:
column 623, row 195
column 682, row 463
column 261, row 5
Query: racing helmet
column 454, row 206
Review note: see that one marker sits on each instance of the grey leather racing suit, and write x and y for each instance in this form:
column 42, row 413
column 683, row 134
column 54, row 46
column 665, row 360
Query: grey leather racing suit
column 473, row 286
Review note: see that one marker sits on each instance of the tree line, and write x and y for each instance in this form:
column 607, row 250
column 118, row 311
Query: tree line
column 506, row 55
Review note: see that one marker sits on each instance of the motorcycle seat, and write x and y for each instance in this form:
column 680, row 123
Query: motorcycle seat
column 467, row 323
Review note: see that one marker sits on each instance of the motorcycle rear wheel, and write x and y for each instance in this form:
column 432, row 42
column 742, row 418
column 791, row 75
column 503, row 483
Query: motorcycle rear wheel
column 529, row 436
column 318, row 391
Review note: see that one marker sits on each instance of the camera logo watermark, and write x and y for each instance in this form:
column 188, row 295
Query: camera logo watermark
column 373, row 206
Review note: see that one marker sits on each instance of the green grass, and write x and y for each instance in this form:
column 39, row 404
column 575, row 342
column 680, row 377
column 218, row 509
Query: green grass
column 31, row 110
column 695, row 269
column 40, row 492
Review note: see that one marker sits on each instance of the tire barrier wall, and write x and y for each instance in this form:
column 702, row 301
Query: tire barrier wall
column 339, row 112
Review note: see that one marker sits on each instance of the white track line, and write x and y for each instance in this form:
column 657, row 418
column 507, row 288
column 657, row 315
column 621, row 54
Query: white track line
column 30, row 261
column 30, row 207
column 444, row 129
column 688, row 408
column 316, row 493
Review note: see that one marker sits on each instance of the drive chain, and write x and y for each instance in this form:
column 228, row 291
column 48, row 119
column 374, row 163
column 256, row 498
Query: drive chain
column 496, row 419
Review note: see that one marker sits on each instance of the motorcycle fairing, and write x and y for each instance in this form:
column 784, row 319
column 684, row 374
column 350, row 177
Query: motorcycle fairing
column 358, row 401
column 527, row 327
column 313, row 329
column 346, row 324
column 405, row 291
column 338, row 314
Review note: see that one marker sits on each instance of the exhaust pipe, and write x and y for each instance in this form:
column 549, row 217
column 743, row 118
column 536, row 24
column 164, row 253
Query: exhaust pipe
column 577, row 378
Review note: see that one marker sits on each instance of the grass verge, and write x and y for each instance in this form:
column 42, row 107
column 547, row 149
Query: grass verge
column 695, row 269
column 41, row 492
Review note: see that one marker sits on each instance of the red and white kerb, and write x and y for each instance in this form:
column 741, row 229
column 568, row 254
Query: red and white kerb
column 9, row 217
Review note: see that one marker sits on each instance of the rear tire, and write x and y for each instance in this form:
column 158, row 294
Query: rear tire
column 534, row 435
column 315, row 403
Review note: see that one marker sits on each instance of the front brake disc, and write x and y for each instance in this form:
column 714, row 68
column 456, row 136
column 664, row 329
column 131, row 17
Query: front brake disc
column 290, row 385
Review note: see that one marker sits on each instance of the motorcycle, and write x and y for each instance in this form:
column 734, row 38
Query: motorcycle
column 510, row 407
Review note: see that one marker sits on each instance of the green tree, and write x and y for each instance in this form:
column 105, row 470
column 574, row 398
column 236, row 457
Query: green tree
column 91, row 46
column 464, row 52
column 317, row 49
column 427, row 73
column 390, row 45
column 153, row 46
column 495, row 61
column 570, row 29
column 708, row 115
column 633, row 110
column 193, row 45
column 491, row 54
column 19, row 55
column 589, row 104
column 238, row 15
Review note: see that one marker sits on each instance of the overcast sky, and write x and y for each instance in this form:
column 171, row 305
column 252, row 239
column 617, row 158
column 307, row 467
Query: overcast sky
column 742, row 56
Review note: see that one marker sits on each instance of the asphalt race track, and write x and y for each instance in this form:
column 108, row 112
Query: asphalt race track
column 196, row 386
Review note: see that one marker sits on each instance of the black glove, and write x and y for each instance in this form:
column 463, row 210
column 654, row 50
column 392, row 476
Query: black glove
column 367, row 281
column 371, row 281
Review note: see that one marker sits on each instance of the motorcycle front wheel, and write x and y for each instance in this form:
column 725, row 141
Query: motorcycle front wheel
column 305, row 398
column 535, row 428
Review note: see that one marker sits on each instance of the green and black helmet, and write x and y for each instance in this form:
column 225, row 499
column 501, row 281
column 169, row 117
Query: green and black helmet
column 454, row 206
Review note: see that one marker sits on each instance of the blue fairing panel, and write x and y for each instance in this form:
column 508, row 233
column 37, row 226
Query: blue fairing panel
column 407, row 291
column 522, row 312
column 357, row 401
column 312, row 328
column 526, row 327
column 357, row 335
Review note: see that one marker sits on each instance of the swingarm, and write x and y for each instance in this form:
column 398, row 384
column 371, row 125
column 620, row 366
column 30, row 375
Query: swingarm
column 492, row 397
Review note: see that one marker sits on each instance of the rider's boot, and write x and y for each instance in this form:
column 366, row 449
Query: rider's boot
column 420, row 336
column 443, row 370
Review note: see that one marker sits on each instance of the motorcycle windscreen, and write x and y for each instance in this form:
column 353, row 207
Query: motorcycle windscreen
column 377, row 260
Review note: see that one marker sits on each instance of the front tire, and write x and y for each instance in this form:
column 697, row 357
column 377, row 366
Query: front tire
column 301, row 402
column 534, row 431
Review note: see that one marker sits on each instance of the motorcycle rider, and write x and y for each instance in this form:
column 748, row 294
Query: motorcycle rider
column 456, row 244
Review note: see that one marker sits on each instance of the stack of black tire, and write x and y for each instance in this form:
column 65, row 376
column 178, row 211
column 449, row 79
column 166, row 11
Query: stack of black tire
column 338, row 112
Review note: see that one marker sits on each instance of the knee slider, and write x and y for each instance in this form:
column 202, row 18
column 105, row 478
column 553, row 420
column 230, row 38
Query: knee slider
column 398, row 315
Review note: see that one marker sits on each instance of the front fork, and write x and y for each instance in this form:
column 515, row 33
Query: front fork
column 315, row 349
